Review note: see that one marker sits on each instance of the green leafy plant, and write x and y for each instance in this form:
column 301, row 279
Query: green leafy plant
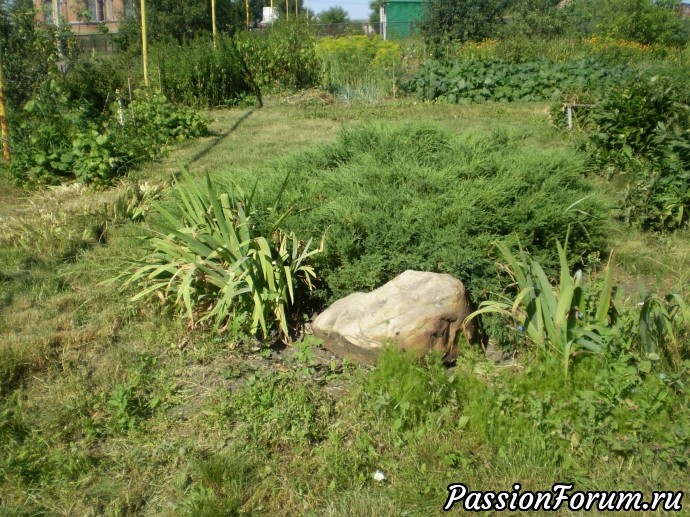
column 642, row 131
column 58, row 140
column 554, row 316
column 477, row 80
column 211, row 262
column 658, row 322
column 198, row 74
column 281, row 57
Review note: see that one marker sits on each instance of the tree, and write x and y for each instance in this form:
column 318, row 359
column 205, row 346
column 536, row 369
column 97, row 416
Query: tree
column 334, row 15
column 280, row 4
column 29, row 51
column 461, row 20
column 375, row 15
column 644, row 21
column 182, row 20
column 534, row 18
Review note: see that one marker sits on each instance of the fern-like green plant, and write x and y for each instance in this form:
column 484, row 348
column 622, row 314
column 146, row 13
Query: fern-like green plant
column 211, row 263
column 553, row 315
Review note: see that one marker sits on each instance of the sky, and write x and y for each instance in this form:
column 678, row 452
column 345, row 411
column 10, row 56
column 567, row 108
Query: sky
column 358, row 9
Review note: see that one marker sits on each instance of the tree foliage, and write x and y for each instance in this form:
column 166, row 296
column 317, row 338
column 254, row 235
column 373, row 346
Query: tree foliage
column 530, row 18
column 28, row 52
column 375, row 15
column 644, row 21
column 461, row 20
column 334, row 15
column 183, row 20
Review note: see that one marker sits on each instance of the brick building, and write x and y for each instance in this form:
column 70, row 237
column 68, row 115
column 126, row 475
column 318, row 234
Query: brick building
column 86, row 17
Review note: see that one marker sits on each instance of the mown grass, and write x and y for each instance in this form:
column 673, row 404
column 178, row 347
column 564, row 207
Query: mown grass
column 114, row 408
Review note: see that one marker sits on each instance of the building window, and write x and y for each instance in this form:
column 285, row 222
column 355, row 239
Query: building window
column 97, row 10
column 129, row 7
column 48, row 11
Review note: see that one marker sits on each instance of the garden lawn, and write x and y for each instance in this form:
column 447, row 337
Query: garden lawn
column 109, row 407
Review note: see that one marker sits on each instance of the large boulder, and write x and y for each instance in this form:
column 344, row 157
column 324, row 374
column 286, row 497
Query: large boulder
column 416, row 312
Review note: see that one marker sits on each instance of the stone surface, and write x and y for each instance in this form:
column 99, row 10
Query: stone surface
column 416, row 312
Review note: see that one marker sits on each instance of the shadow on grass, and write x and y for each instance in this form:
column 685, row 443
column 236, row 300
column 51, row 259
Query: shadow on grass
column 219, row 138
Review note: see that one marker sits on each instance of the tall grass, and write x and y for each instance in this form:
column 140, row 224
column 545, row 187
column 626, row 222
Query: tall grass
column 197, row 74
column 360, row 67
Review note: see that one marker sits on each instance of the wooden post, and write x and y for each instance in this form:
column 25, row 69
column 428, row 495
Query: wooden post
column 296, row 12
column 213, row 21
column 3, row 117
column 570, row 111
column 287, row 9
column 144, row 54
column 246, row 8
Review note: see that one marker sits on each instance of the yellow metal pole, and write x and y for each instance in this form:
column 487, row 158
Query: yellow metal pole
column 246, row 8
column 213, row 20
column 3, row 117
column 144, row 54
column 287, row 10
column 296, row 12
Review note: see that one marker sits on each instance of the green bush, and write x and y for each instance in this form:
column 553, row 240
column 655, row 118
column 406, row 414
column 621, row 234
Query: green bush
column 196, row 74
column 281, row 57
column 642, row 130
column 58, row 140
column 94, row 83
column 643, row 21
column 536, row 18
column 398, row 197
column 476, row 81
column 461, row 20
